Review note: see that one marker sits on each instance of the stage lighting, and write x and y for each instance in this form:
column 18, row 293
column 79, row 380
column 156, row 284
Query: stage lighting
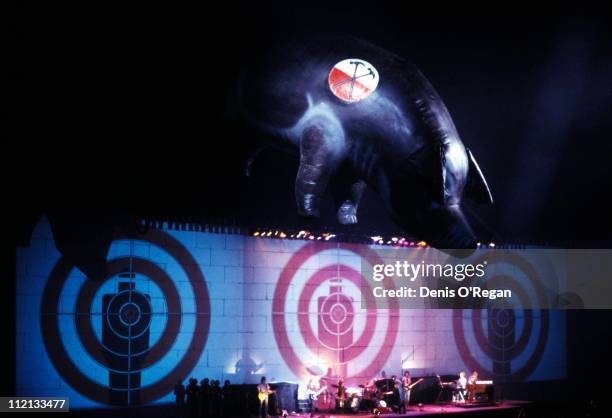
column 376, row 238
column 492, row 245
column 282, row 235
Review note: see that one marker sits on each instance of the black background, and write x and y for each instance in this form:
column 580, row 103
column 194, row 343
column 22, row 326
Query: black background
column 127, row 108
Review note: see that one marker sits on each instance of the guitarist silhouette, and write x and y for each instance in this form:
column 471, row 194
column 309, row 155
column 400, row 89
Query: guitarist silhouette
column 263, row 391
column 406, row 386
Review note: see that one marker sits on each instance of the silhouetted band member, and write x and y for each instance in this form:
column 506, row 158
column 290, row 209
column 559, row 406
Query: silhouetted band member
column 263, row 392
column 179, row 393
column 205, row 404
column 325, row 382
column 473, row 378
column 461, row 386
column 470, row 385
column 313, row 390
column 341, row 394
column 405, row 392
column 192, row 397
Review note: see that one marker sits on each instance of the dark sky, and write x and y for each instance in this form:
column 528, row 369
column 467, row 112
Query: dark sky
column 134, row 112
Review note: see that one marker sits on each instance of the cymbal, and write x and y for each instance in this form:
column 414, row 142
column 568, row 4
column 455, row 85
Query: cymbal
column 315, row 370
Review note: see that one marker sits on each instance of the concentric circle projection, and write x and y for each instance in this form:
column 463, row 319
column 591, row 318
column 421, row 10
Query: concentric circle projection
column 138, row 359
column 128, row 314
column 331, row 346
column 335, row 314
column 499, row 342
column 126, row 317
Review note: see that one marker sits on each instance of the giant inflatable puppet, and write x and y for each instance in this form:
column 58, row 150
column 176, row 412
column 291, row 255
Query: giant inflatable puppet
column 361, row 116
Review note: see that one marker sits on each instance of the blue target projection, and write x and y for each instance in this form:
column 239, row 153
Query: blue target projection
column 124, row 340
column 181, row 304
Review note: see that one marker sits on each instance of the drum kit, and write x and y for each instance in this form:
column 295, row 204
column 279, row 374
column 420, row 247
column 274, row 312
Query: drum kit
column 375, row 394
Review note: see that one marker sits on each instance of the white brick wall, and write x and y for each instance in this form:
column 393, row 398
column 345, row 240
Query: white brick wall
column 241, row 276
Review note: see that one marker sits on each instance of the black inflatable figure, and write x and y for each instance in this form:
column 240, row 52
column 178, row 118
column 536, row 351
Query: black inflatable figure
column 397, row 138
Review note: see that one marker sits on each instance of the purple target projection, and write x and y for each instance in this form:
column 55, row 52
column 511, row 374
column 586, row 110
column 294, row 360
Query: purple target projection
column 181, row 304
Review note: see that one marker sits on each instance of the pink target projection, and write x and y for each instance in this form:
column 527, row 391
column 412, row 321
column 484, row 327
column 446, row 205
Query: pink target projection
column 335, row 340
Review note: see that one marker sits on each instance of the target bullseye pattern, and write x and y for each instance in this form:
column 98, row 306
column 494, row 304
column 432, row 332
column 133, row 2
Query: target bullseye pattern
column 336, row 312
column 499, row 342
column 128, row 315
column 350, row 350
column 138, row 359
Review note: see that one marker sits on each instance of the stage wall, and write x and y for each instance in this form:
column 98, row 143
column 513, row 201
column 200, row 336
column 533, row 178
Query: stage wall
column 234, row 307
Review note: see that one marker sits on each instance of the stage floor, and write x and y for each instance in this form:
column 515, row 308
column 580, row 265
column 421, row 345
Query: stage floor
column 433, row 410
column 505, row 409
